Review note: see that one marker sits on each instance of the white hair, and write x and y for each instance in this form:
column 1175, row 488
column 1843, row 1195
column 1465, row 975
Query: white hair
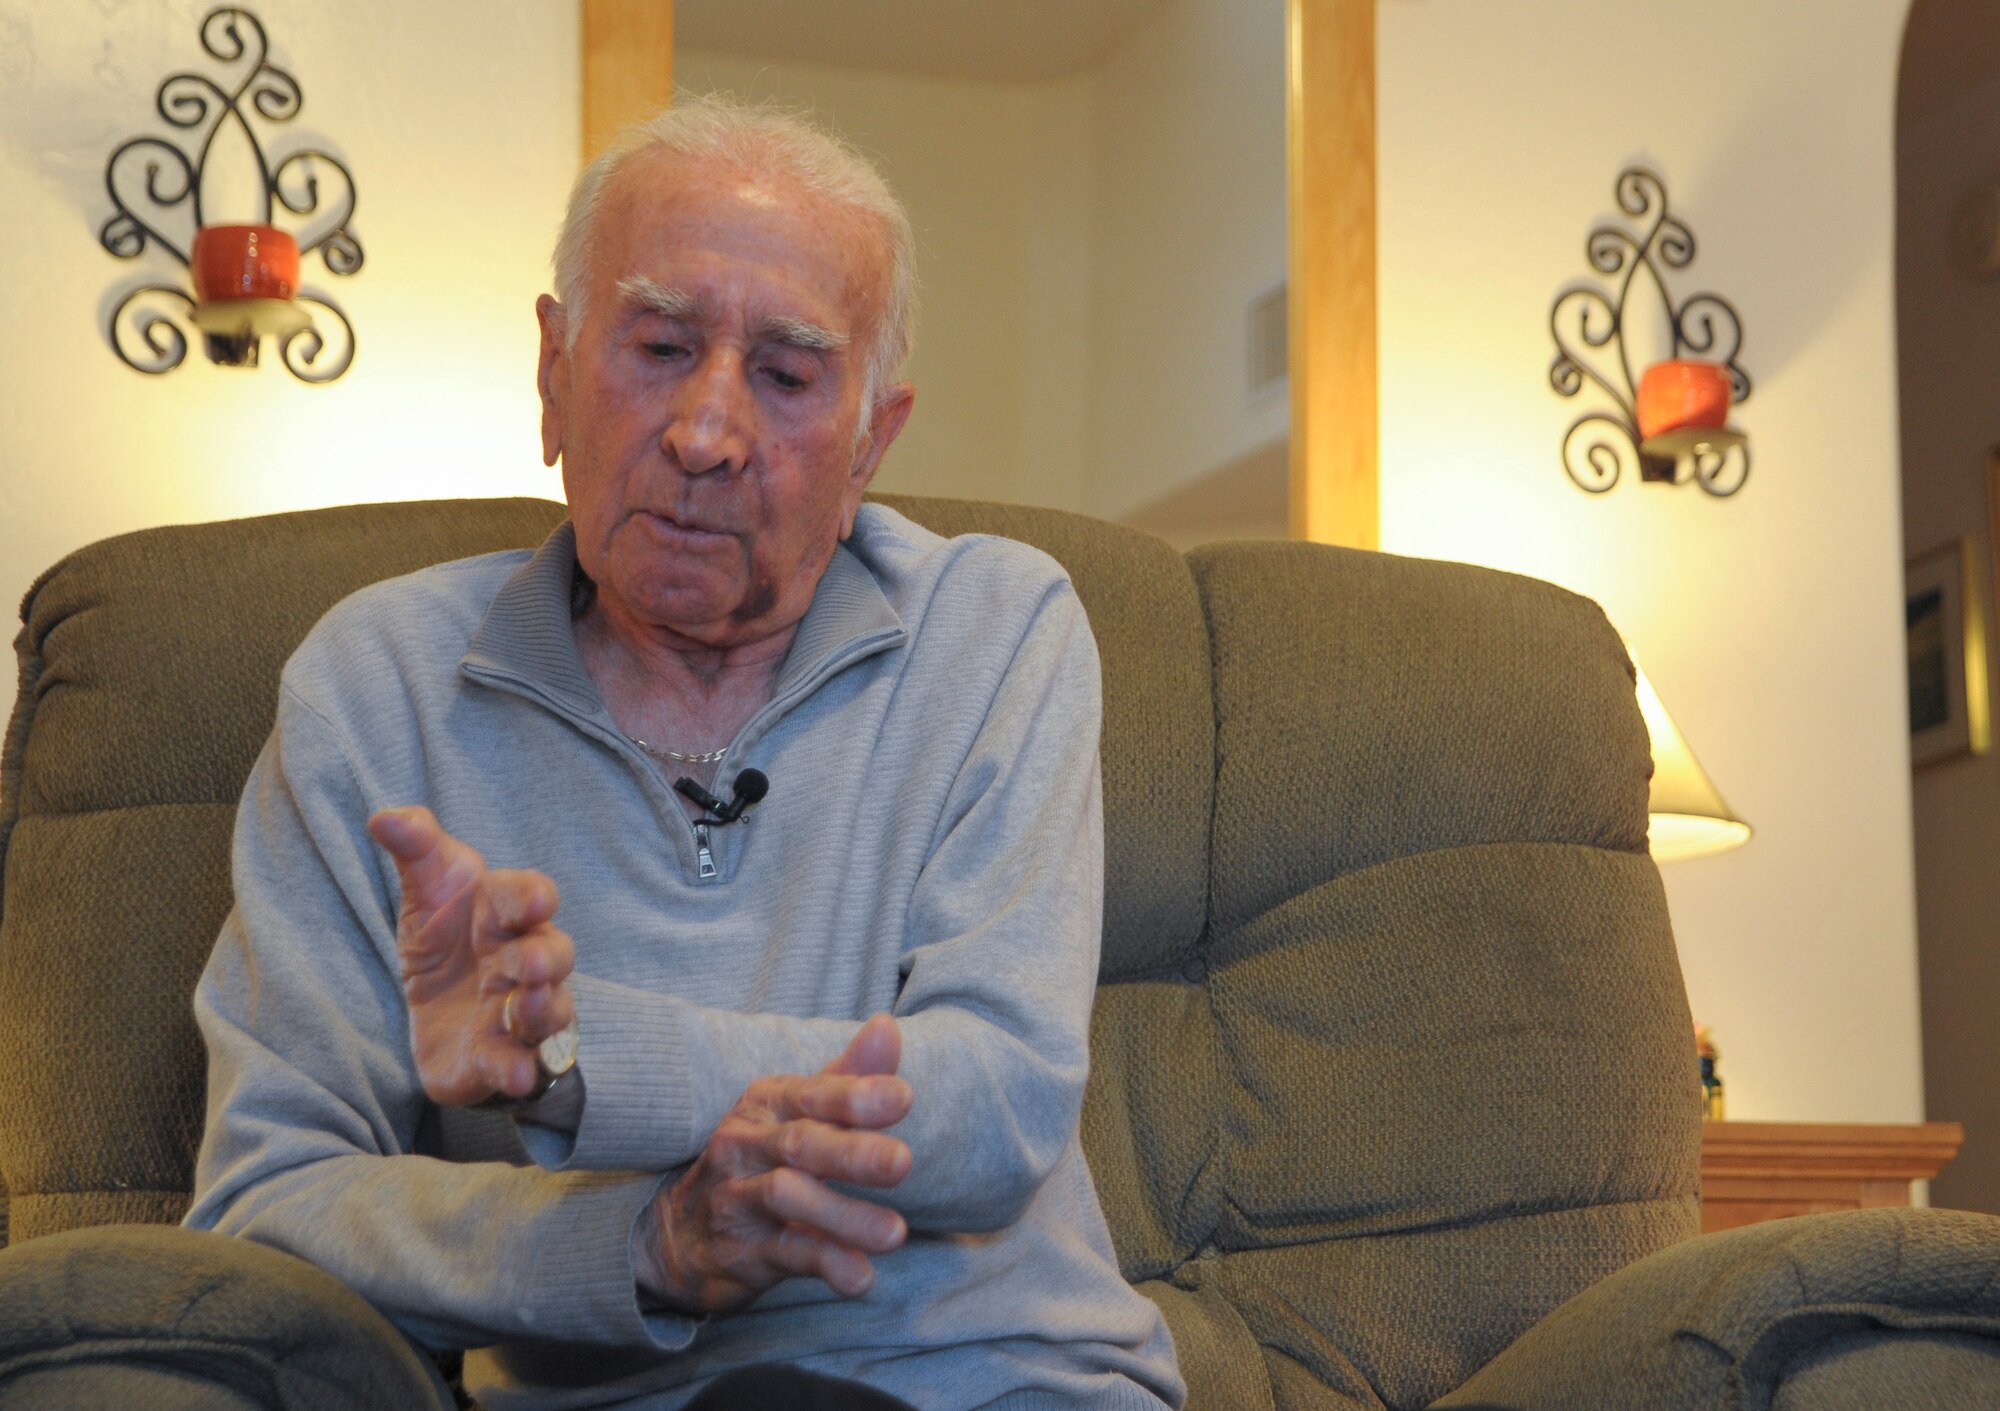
column 761, row 138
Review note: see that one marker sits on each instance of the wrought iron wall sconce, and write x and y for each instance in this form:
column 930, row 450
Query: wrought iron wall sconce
column 1672, row 424
column 245, row 277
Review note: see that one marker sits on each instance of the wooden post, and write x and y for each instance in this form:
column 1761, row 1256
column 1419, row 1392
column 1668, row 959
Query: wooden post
column 1330, row 139
column 628, row 65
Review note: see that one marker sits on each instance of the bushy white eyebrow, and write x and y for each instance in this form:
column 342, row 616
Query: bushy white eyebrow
column 800, row 333
column 657, row 298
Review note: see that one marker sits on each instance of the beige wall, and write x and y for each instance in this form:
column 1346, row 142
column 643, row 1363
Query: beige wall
column 995, row 176
column 1771, row 623
column 1089, row 248
column 458, row 119
column 1189, row 228
column 1085, row 273
column 1948, row 143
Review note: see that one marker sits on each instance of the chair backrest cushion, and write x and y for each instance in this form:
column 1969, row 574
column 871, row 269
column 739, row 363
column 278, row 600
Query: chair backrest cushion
column 1458, row 1074
column 1390, row 1051
column 149, row 666
column 149, row 679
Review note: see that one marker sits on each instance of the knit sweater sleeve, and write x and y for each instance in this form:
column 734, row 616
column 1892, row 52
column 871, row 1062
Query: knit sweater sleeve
column 999, row 965
column 314, row 1104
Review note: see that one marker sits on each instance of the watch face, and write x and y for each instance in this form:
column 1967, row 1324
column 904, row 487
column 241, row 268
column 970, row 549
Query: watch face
column 558, row 1050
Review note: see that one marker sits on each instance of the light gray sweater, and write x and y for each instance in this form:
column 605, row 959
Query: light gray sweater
column 931, row 846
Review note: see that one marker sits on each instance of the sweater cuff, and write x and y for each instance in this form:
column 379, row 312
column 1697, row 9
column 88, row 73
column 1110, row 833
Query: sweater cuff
column 584, row 1286
column 638, row 1098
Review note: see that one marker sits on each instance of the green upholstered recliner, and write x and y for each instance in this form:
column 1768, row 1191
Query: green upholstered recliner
column 1392, row 1096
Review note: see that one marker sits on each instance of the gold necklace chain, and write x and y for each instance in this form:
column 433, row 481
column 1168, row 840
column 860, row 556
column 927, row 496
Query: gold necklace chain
column 676, row 756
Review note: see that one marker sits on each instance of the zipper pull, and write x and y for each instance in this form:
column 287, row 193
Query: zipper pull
column 703, row 856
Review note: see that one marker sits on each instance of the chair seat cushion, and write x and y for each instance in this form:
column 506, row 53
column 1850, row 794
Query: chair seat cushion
column 145, row 1315
column 1734, row 1318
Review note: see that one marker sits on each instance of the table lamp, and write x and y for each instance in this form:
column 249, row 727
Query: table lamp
column 1688, row 816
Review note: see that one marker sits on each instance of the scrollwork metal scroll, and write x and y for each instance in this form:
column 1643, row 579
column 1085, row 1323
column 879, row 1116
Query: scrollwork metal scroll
column 1596, row 461
column 301, row 352
column 132, row 318
column 1586, row 319
column 171, row 192
column 1722, row 473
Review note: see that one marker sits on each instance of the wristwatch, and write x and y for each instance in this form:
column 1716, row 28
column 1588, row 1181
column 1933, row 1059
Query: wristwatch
column 555, row 1062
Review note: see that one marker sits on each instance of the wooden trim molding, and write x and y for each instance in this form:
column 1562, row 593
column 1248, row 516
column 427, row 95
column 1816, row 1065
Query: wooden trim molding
column 1330, row 148
column 1886, row 1153
column 628, row 65
column 1754, row 1171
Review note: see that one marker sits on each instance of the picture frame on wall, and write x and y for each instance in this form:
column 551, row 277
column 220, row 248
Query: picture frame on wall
column 1946, row 637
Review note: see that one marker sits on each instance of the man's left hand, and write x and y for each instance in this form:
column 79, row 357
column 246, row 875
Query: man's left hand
column 756, row 1207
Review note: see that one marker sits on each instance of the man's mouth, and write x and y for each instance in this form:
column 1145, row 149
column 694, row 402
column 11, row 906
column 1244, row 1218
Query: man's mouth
column 683, row 528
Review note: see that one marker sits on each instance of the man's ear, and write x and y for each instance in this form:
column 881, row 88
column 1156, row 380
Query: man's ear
column 552, row 373
column 892, row 410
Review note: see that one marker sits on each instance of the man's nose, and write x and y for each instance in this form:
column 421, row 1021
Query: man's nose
column 709, row 428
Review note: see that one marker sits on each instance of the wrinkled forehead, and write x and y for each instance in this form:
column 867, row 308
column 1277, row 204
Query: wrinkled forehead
column 666, row 217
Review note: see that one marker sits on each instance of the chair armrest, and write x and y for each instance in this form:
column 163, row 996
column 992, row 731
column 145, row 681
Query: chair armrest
column 157, row 1316
column 1728, row 1320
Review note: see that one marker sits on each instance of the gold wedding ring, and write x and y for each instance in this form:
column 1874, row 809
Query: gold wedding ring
column 507, row 1016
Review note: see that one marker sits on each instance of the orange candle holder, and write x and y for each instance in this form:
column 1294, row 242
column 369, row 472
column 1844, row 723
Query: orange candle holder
column 244, row 262
column 1684, row 392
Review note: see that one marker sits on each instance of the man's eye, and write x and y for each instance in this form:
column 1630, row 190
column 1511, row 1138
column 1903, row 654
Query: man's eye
column 791, row 382
column 665, row 350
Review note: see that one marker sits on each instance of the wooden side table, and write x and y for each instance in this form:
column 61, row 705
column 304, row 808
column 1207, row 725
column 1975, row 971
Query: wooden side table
column 1752, row 1171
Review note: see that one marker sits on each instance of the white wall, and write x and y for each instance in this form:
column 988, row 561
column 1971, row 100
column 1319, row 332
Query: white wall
column 1770, row 622
column 994, row 176
column 459, row 121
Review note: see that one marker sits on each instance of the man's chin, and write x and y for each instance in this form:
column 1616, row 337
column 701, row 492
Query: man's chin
column 701, row 614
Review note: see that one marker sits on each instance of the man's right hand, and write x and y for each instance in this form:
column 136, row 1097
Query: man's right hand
column 755, row 1208
column 469, row 937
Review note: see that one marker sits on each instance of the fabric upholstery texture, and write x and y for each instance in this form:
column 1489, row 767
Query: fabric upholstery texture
column 82, row 1316
column 1451, row 1018
column 1390, row 1053
column 1735, row 1318
column 148, row 681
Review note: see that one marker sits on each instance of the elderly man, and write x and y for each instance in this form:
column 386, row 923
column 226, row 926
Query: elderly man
column 802, row 1090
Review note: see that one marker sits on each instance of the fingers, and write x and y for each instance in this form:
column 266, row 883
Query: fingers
column 408, row 833
column 475, row 1069
column 544, row 956
column 520, row 900
column 822, row 1234
column 857, row 1089
column 837, row 1154
column 874, row 1100
column 794, row 1201
column 876, row 1048
column 504, row 1066
column 539, row 1011
column 434, row 866
column 846, row 1271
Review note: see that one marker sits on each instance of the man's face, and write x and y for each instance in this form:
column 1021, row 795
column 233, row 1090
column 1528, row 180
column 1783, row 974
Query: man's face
column 707, row 412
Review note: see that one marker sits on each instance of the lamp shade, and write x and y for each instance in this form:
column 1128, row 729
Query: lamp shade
column 1689, row 818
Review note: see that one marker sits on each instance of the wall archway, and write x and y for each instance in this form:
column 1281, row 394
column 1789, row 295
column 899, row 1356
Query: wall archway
column 1948, row 365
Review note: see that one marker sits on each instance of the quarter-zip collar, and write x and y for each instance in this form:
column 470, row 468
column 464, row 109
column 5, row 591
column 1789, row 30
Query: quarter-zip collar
column 527, row 639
